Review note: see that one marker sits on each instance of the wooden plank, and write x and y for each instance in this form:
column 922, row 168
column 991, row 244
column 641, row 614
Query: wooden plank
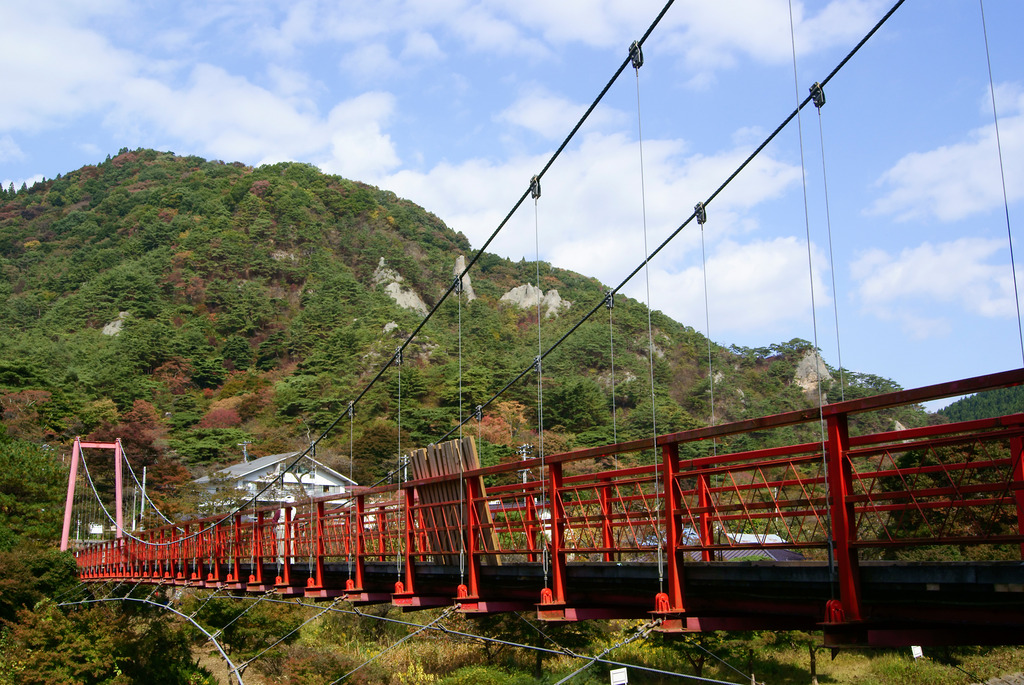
column 489, row 537
column 446, row 502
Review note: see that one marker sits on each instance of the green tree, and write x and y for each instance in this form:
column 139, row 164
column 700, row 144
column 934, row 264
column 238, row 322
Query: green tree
column 99, row 645
column 32, row 481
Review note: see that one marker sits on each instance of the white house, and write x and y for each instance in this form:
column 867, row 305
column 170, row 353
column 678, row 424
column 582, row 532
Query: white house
column 308, row 478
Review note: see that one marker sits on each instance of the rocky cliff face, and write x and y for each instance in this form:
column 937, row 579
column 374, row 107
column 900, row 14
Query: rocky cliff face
column 528, row 296
column 809, row 370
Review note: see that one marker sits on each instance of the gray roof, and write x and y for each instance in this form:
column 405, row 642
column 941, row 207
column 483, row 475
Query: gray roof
column 244, row 468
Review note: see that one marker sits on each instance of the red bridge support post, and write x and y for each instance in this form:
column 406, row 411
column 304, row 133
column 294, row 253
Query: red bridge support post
column 1017, row 457
column 284, row 581
column 607, row 537
column 556, row 523
column 469, row 536
column 844, row 524
column 360, row 551
column 676, row 600
column 704, row 504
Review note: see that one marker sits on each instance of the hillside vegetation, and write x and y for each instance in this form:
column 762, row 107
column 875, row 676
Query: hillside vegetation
column 187, row 305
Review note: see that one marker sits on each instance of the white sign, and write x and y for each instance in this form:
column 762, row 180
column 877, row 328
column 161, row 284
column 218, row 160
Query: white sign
column 619, row 676
column 916, row 651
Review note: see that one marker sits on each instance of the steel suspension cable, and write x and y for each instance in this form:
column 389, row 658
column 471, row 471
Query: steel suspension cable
column 610, row 303
column 284, row 637
column 535, row 193
column 145, row 495
column 220, row 631
column 366, row 388
column 701, row 220
column 557, row 652
column 462, row 456
column 736, row 172
column 814, row 316
column 818, row 97
column 351, row 503
column 469, row 266
column 232, row 668
column 99, row 500
column 642, row 633
column 447, row 612
column 637, row 58
column 1002, row 175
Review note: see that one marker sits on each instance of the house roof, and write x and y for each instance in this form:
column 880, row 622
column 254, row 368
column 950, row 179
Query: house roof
column 245, row 468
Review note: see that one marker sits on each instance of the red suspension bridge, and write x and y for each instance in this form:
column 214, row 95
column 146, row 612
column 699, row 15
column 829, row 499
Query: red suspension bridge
column 798, row 536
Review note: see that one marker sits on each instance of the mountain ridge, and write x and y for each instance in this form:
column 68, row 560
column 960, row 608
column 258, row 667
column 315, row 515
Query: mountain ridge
column 255, row 303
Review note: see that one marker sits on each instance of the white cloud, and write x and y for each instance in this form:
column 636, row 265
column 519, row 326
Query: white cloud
column 955, row 181
column 369, row 63
column 18, row 183
column 714, row 35
column 920, row 280
column 421, row 47
column 590, row 215
column 552, row 116
column 54, row 70
column 9, row 150
column 359, row 148
column 760, row 286
column 482, row 31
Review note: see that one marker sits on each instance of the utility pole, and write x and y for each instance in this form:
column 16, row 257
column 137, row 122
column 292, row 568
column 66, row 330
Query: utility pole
column 245, row 450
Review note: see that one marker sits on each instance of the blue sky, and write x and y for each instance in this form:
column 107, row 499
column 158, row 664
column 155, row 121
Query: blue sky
column 456, row 104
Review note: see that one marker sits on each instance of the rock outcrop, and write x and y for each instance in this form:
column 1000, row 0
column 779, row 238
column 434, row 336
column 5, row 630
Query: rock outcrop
column 467, row 285
column 407, row 298
column 528, row 296
column 809, row 370
column 114, row 327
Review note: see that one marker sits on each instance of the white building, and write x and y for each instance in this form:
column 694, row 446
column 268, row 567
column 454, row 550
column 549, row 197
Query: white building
column 308, row 478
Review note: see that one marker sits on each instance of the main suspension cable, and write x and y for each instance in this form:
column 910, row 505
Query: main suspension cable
column 444, row 614
column 810, row 272
column 637, row 58
column 535, row 193
column 818, row 97
column 366, row 388
column 1002, row 175
column 232, row 668
column 736, row 172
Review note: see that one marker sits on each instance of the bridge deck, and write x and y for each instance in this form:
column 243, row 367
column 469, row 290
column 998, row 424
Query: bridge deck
column 661, row 538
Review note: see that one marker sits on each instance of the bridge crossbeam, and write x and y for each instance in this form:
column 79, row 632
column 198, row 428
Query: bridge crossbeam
column 853, row 535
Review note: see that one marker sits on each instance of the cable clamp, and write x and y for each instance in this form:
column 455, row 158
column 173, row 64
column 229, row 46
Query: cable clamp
column 636, row 55
column 536, row 363
column 479, row 413
column 817, row 95
column 609, row 299
column 700, row 212
column 351, row 409
column 535, row 187
column 398, row 356
column 457, row 285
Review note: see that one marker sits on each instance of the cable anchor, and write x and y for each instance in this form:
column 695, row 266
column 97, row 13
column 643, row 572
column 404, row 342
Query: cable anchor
column 817, row 95
column 535, row 187
column 700, row 212
column 636, row 55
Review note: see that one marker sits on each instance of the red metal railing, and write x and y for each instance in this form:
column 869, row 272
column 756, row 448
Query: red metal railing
column 849, row 498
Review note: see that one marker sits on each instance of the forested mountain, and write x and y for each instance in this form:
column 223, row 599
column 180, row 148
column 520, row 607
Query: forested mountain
column 985, row 405
column 187, row 305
